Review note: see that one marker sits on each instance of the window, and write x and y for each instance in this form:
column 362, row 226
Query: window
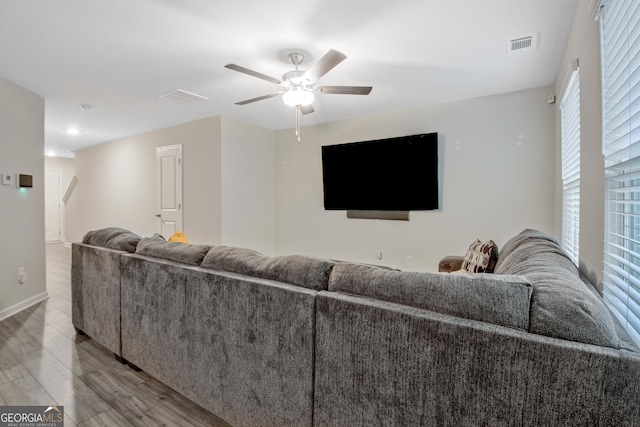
column 620, row 30
column 570, row 114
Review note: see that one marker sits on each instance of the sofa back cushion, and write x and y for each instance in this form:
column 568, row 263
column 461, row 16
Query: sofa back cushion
column 173, row 251
column 562, row 305
column 113, row 238
column 309, row 272
column 501, row 300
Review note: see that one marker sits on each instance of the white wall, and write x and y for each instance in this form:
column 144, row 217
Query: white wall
column 248, row 186
column 497, row 170
column 228, row 184
column 22, row 211
column 116, row 183
column 584, row 44
column 67, row 168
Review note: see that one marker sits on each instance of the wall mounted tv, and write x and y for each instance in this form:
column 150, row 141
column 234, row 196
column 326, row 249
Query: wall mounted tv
column 395, row 174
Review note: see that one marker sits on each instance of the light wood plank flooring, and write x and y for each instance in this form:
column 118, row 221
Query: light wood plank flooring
column 44, row 362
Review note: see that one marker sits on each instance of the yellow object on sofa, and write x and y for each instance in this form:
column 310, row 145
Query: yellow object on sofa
column 178, row 237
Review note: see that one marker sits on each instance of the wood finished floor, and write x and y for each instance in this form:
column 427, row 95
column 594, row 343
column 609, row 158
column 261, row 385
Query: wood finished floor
column 44, row 362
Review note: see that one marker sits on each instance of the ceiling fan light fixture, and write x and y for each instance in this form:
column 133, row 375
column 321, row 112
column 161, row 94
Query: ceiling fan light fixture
column 299, row 86
column 297, row 95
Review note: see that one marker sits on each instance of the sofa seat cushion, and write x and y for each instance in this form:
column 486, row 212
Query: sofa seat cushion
column 562, row 305
column 113, row 238
column 501, row 300
column 309, row 272
column 183, row 253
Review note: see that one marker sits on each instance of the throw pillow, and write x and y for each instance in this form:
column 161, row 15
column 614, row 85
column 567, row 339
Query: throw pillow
column 178, row 237
column 481, row 257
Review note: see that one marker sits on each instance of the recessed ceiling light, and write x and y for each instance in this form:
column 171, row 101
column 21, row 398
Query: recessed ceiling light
column 51, row 153
column 87, row 107
column 73, row 131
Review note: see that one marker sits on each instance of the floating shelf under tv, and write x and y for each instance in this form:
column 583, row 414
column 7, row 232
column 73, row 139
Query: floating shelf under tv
column 392, row 215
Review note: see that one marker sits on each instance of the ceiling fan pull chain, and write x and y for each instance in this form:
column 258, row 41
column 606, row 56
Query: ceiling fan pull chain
column 298, row 107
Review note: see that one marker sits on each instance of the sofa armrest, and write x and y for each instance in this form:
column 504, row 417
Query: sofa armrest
column 450, row 263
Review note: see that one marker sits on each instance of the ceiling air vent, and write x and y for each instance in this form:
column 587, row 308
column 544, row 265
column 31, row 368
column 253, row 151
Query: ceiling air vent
column 522, row 44
column 182, row 97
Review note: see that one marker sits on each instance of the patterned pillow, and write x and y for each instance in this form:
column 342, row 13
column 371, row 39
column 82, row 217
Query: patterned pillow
column 481, row 257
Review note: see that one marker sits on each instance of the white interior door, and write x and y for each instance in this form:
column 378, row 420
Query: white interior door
column 169, row 190
column 51, row 205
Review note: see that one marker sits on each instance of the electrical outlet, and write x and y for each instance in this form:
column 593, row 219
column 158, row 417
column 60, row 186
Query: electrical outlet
column 22, row 276
column 409, row 260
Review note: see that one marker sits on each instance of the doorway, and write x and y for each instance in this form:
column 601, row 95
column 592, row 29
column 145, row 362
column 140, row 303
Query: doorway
column 169, row 190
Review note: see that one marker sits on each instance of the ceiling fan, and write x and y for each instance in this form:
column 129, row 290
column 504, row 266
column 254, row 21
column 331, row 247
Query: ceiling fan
column 299, row 87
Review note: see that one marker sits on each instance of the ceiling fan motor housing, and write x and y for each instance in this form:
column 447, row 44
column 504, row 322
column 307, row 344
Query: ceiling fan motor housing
column 294, row 78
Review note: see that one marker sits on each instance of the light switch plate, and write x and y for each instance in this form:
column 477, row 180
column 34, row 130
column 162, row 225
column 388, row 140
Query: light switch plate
column 7, row 179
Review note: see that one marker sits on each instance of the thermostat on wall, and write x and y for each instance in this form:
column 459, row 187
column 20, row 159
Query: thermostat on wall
column 24, row 181
column 6, row 179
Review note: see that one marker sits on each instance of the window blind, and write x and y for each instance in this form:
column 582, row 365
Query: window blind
column 620, row 32
column 570, row 118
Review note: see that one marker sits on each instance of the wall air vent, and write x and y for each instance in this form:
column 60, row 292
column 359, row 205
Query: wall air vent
column 522, row 44
column 182, row 97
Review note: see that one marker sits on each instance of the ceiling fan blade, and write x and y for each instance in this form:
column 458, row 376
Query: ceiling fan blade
column 345, row 90
column 308, row 109
column 324, row 65
column 259, row 98
column 252, row 73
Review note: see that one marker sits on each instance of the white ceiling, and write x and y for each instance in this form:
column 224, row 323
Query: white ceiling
column 120, row 55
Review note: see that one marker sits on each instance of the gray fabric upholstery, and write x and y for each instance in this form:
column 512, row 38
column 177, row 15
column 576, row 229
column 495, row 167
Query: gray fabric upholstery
column 309, row 272
column 545, row 244
column 384, row 364
column 114, row 238
column 240, row 347
column 378, row 347
column 503, row 300
column 562, row 306
column 95, row 293
column 184, row 253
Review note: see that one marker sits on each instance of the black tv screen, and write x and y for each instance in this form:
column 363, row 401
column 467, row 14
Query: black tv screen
column 395, row 174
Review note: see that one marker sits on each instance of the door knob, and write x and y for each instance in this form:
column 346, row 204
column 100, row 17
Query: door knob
column 158, row 216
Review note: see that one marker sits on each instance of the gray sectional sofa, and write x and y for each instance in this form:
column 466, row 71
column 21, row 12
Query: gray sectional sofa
column 301, row 341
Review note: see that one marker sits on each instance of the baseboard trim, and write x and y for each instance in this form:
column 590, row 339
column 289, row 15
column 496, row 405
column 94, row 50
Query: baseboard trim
column 16, row 308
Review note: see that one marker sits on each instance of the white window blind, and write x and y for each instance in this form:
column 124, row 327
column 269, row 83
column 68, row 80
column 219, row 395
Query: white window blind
column 620, row 30
column 570, row 114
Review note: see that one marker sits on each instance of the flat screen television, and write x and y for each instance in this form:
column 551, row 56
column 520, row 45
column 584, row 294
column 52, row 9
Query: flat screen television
column 394, row 174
